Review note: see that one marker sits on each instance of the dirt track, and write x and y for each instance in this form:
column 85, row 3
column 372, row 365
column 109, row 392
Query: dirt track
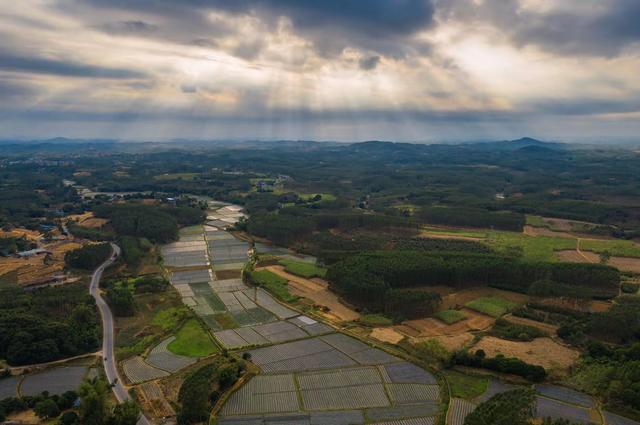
column 318, row 291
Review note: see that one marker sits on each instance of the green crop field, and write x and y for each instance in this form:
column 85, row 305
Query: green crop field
column 273, row 283
column 466, row 386
column 306, row 270
column 192, row 341
column 176, row 176
column 450, row 316
column 375, row 320
column 617, row 248
column 495, row 307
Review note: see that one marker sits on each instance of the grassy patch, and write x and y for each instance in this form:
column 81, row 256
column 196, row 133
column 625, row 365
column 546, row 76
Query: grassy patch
column 534, row 248
column 536, row 221
column 169, row 318
column 466, row 386
column 225, row 320
column 375, row 320
column 480, row 234
column 306, row 270
column 273, row 283
column 450, row 316
column 617, row 248
column 495, row 307
column 176, row 176
column 192, row 341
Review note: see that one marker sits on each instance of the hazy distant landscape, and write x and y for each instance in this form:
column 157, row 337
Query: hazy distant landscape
column 275, row 212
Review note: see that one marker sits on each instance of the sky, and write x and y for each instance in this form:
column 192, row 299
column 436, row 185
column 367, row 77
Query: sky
column 343, row 70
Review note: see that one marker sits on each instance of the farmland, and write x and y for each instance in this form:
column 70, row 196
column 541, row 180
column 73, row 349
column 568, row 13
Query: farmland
column 494, row 307
column 192, row 341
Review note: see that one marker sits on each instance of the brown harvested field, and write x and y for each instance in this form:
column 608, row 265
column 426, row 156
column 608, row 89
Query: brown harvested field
column 546, row 327
column 544, row 352
column 430, row 327
column 154, row 400
column 454, row 342
column 29, row 270
column 18, row 233
column 543, row 231
column 386, row 335
column 317, row 290
column 594, row 306
column 625, row 264
column 88, row 220
column 228, row 274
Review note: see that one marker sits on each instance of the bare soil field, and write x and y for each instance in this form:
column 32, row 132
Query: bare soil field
column 317, row 290
column 454, row 342
column 430, row 327
column 386, row 335
column 625, row 264
column 541, row 351
column 595, row 306
column 228, row 274
column 543, row 231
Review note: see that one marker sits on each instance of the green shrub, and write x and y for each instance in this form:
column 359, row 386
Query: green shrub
column 507, row 330
column 375, row 320
column 515, row 407
column 450, row 316
column 273, row 283
column 306, row 270
column 492, row 306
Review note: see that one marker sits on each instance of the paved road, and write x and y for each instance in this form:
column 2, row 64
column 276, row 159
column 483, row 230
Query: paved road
column 108, row 358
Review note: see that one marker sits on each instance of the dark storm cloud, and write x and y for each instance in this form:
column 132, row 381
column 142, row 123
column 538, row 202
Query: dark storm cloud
column 331, row 25
column 13, row 62
column 129, row 27
column 369, row 63
column 602, row 29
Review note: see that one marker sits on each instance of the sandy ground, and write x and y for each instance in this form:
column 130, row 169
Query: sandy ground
column 625, row 264
column 386, row 335
column 541, row 351
column 318, row 291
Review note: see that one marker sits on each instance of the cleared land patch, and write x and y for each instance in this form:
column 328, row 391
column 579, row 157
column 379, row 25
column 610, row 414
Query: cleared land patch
column 541, row 351
column 318, row 291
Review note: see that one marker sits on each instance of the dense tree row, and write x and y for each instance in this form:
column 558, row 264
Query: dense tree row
column 501, row 364
column 473, row 217
column 515, row 407
column 47, row 324
column 202, row 388
column 404, row 304
column 365, row 278
column 12, row 245
column 134, row 249
column 156, row 223
column 88, row 257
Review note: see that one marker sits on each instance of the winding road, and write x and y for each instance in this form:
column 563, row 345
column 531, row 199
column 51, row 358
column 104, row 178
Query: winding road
column 108, row 333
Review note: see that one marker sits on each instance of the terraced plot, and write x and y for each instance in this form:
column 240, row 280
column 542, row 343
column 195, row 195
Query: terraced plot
column 272, row 332
column 566, row 395
column 458, row 411
column 190, row 276
column 613, row 419
column 546, row 407
column 8, row 387
column 160, row 357
column 137, row 371
column 55, row 381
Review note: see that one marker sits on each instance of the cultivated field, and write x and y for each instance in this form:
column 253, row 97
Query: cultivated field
column 317, row 291
column 541, row 351
column 55, row 381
